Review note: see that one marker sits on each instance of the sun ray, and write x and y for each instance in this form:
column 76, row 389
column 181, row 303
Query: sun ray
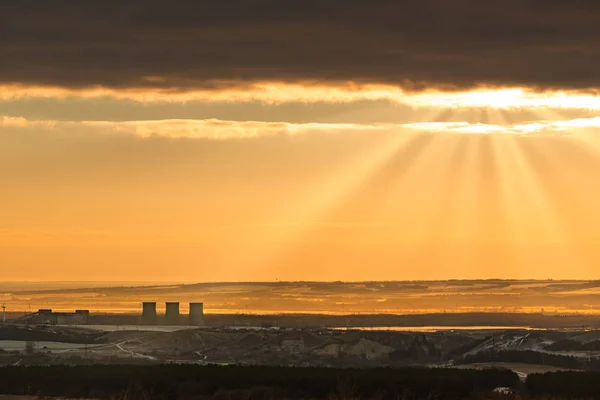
column 578, row 166
column 552, row 200
column 449, row 190
column 301, row 217
column 513, row 199
column 368, row 200
column 525, row 196
column 453, row 219
column 529, row 183
column 386, row 183
column 415, row 196
column 382, row 170
column 432, row 191
column 589, row 138
column 490, row 209
column 366, row 204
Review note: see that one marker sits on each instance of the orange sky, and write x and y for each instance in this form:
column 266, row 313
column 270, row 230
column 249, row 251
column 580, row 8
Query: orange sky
column 295, row 140
column 317, row 184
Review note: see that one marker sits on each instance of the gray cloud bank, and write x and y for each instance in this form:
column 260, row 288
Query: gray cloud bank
column 213, row 44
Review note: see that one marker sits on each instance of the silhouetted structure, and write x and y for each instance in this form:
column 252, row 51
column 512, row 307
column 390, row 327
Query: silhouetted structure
column 149, row 313
column 172, row 316
column 48, row 317
column 197, row 314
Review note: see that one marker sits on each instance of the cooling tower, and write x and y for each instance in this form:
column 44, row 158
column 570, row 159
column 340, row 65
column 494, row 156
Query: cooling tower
column 172, row 314
column 149, row 313
column 197, row 314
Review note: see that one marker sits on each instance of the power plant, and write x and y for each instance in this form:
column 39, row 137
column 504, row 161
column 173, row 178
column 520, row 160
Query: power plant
column 197, row 314
column 149, row 316
column 172, row 314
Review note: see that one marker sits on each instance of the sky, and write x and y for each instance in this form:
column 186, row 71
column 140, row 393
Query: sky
column 262, row 140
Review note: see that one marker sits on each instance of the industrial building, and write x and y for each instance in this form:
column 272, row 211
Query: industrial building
column 49, row 317
column 172, row 314
column 149, row 316
column 197, row 314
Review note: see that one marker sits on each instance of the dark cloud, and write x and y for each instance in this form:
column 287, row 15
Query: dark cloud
column 193, row 44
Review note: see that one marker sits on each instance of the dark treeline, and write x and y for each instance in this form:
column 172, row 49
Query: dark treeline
column 533, row 357
column 191, row 381
column 526, row 357
column 565, row 384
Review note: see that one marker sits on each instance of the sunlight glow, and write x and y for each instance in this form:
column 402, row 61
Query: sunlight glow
column 313, row 92
column 334, row 188
column 222, row 129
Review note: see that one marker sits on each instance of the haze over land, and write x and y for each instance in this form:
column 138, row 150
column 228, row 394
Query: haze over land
column 494, row 296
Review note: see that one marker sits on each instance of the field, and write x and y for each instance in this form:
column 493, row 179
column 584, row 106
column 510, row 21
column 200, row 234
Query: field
column 345, row 364
column 301, row 347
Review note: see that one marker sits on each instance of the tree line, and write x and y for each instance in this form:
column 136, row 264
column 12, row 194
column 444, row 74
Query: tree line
column 192, row 381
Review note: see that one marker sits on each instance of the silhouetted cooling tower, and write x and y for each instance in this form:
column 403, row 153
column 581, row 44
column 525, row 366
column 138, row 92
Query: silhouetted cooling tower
column 149, row 313
column 197, row 314
column 172, row 314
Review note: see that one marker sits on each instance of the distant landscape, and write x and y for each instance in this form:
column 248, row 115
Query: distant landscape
column 474, row 336
column 333, row 298
column 477, row 335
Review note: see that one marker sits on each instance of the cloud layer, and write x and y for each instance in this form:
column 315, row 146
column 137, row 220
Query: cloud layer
column 222, row 129
column 232, row 43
